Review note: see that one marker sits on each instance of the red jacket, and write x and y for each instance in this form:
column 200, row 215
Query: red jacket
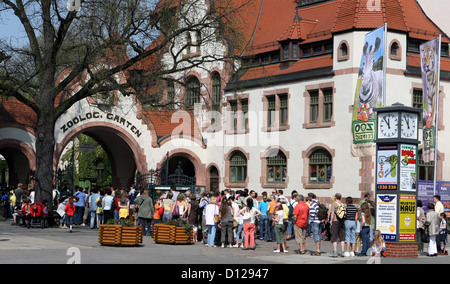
column 301, row 211
column 69, row 209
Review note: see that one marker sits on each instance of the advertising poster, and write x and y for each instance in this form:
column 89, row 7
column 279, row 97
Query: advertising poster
column 407, row 218
column 425, row 192
column 444, row 192
column 430, row 53
column 386, row 218
column 369, row 94
column 408, row 168
column 387, row 165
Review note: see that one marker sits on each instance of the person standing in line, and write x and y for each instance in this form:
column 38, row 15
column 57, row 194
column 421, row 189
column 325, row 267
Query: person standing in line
column 433, row 223
column 315, row 222
column 146, row 210
column 443, row 234
column 350, row 227
column 93, row 207
column 226, row 213
column 80, row 205
column 270, row 213
column 420, row 224
column 100, row 213
column 193, row 214
column 279, row 228
column 249, row 214
column 337, row 226
column 438, row 206
column 211, row 210
column 204, row 201
column 167, row 204
column 300, row 219
column 107, row 204
column 263, row 218
column 366, row 220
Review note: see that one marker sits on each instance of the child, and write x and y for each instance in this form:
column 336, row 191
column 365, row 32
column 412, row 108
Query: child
column 443, row 234
column 279, row 227
column 70, row 211
column 26, row 213
column 379, row 246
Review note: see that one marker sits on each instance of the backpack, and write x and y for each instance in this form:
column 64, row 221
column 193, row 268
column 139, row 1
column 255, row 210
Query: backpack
column 323, row 212
column 341, row 211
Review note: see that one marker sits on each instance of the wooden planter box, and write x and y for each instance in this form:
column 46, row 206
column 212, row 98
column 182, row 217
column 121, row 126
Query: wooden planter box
column 118, row 235
column 170, row 234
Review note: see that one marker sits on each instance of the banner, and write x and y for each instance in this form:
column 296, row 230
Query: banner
column 369, row 93
column 430, row 57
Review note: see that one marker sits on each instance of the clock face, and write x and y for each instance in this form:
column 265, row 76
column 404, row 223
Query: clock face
column 409, row 125
column 387, row 125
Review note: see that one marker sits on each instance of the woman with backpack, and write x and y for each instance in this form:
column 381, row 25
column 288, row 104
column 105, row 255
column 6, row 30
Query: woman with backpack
column 146, row 210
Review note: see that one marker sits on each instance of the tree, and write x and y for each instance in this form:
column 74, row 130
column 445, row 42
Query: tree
column 77, row 48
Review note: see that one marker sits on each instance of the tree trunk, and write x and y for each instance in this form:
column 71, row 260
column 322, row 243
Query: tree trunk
column 45, row 148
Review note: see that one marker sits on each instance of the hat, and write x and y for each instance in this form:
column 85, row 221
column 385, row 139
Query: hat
column 278, row 204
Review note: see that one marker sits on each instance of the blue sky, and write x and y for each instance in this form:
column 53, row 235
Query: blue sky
column 10, row 27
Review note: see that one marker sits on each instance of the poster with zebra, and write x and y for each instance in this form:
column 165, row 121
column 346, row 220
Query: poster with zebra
column 429, row 61
column 369, row 93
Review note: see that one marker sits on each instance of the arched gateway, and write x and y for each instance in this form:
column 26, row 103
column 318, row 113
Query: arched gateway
column 125, row 131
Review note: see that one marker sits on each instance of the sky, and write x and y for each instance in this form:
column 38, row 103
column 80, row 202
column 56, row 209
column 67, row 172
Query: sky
column 437, row 10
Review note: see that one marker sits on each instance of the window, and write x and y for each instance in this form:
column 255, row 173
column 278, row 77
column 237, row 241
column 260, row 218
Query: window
column 320, row 167
column 244, row 114
column 216, row 92
column 295, row 50
column 271, row 111
column 319, row 99
column 283, row 109
column 234, row 114
column 170, row 95
column 188, row 43
column 425, row 170
column 238, row 115
column 343, row 51
column 327, row 105
column 418, row 103
column 192, row 93
column 276, row 168
column 238, row 168
column 277, row 108
column 314, row 106
column 286, row 51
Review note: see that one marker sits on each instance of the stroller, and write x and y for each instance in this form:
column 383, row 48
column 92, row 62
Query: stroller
column 38, row 216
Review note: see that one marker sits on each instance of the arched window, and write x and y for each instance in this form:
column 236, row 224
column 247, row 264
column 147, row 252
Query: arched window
column 238, row 168
column 276, row 168
column 320, row 166
column 343, row 51
column 170, row 95
column 192, row 93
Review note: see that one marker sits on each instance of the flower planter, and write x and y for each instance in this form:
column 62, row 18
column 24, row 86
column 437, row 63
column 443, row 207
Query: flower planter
column 171, row 234
column 118, row 235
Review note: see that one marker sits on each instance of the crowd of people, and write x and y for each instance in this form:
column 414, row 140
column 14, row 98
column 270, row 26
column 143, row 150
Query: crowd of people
column 236, row 218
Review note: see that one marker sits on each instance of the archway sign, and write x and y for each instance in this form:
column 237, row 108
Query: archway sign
column 396, row 178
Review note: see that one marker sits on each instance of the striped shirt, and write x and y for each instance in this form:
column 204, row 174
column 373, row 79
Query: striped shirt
column 314, row 210
column 351, row 212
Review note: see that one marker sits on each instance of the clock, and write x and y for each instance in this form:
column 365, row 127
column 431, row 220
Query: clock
column 409, row 125
column 388, row 125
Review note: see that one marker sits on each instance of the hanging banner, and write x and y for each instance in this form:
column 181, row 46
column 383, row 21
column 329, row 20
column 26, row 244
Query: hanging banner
column 369, row 93
column 430, row 57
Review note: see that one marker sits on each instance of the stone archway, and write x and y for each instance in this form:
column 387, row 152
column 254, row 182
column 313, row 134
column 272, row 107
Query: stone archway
column 21, row 160
column 125, row 154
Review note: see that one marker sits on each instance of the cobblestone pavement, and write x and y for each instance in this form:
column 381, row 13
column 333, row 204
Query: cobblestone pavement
column 19, row 245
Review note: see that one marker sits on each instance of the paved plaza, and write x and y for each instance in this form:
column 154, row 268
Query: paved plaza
column 19, row 245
